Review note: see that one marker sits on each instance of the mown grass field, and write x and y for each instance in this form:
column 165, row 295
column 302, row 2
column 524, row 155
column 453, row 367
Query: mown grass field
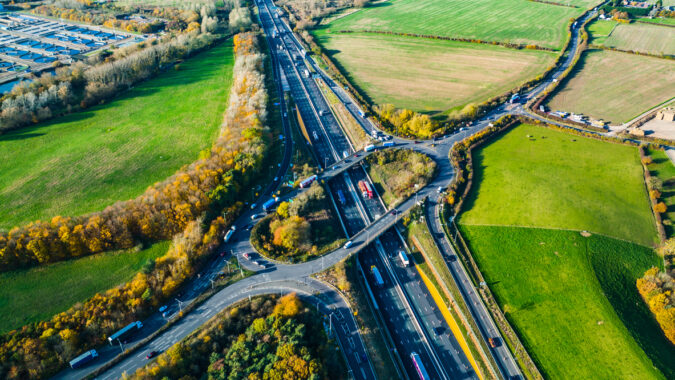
column 446, row 74
column 39, row 293
column 616, row 86
column 640, row 37
column 86, row 161
column 573, row 301
column 659, row 20
column 515, row 21
column 557, row 180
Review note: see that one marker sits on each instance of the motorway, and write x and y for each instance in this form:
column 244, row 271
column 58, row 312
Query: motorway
column 409, row 313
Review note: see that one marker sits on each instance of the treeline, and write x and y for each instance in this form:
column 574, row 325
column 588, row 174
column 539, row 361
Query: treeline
column 111, row 15
column 300, row 229
column 404, row 122
column 305, row 14
column 167, row 207
column 100, row 78
column 209, row 186
column 261, row 339
column 457, row 39
column 658, row 291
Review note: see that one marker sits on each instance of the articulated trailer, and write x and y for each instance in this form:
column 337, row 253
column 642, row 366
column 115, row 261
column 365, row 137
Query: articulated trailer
column 83, row 359
column 366, row 189
column 126, row 332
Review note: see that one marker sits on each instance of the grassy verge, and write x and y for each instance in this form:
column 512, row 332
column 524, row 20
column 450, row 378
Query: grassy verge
column 354, row 131
column 573, row 301
column 395, row 172
column 345, row 277
column 88, row 160
column 35, row 294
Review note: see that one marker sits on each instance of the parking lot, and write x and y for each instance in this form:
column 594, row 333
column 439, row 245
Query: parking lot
column 33, row 44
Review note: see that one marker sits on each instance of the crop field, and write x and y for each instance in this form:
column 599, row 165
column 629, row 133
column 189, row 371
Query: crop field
column 39, row 293
column 446, row 74
column 515, row 21
column 85, row 161
column 573, row 301
column 555, row 180
column 640, row 37
column 616, row 86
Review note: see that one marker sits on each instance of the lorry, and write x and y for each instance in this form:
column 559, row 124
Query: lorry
column 83, row 359
column 388, row 144
column 376, row 275
column 307, row 182
column 404, row 258
column 123, row 334
column 369, row 148
column 341, row 197
column 267, row 206
column 366, row 189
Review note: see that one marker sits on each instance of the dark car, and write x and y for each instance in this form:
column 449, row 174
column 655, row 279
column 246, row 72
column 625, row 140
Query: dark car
column 438, row 330
column 151, row 355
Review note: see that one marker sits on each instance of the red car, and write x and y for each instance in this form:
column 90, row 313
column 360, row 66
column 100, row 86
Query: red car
column 247, row 256
column 151, row 355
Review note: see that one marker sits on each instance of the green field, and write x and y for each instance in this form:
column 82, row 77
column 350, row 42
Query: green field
column 85, row 161
column 573, row 301
column 515, row 21
column 39, row 293
column 663, row 168
column 599, row 30
column 571, row 296
column 660, row 21
column 446, row 74
column 556, row 180
column 616, row 86
column 639, row 37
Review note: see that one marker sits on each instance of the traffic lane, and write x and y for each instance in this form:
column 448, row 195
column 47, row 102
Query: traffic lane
column 396, row 317
column 449, row 350
column 351, row 216
column 477, row 309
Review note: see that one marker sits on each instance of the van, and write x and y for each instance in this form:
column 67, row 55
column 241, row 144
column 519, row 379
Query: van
column 348, row 245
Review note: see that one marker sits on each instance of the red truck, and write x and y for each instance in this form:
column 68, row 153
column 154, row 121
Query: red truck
column 366, row 189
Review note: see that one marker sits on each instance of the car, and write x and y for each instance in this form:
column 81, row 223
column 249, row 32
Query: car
column 453, row 258
column 253, row 206
column 494, row 342
column 255, row 216
column 163, row 308
column 151, row 354
column 438, row 330
column 260, row 263
column 348, row 244
column 276, row 179
column 345, row 154
column 418, row 142
column 247, row 256
column 439, row 190
column 248, row 227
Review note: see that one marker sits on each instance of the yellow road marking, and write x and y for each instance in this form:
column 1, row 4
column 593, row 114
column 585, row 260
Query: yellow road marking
column 451, row 321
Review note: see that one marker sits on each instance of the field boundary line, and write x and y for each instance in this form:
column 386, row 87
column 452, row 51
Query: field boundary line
column 449, row 38
column 552, row 228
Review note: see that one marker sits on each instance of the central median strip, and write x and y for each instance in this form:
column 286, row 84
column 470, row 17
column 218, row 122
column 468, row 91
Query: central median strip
column 448, row 318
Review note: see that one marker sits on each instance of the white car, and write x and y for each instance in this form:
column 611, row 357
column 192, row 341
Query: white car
column 253, row 206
